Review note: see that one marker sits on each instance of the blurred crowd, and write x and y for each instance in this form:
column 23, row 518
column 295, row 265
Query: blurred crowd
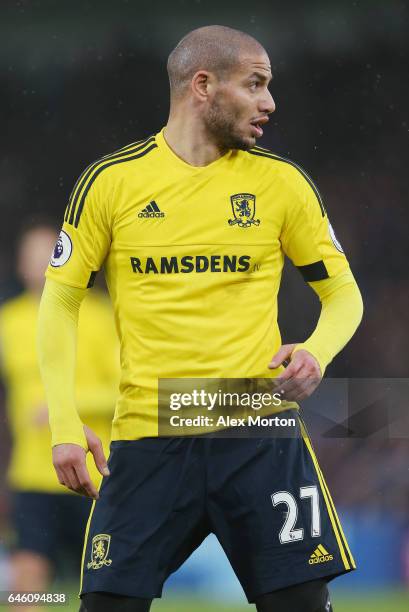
column 341, row 114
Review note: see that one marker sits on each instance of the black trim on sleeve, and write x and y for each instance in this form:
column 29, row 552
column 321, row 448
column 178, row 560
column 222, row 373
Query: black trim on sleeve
column 314, row 272
column 98, row 171
column 92, row 279
column 269, row 155
column 79, row 185
column 85, row 176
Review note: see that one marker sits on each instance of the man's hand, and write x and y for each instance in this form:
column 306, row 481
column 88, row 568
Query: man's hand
column 71, row 467
column 301, row 377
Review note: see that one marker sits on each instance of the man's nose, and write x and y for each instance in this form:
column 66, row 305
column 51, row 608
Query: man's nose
column 267, row 105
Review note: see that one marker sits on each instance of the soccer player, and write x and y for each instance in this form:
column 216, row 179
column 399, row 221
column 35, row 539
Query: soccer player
column 192, row 225
column 48, row 520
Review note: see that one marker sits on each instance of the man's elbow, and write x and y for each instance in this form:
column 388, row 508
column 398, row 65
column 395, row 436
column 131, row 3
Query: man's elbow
column 358, row 304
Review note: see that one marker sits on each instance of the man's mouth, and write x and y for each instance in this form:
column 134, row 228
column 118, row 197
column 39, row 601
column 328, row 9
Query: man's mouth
column 256, row 125
column 257, row 129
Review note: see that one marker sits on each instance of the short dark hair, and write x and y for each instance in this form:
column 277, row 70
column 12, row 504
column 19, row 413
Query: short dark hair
column 215, row 48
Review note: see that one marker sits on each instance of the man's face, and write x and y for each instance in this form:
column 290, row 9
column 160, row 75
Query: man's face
column 239, row 105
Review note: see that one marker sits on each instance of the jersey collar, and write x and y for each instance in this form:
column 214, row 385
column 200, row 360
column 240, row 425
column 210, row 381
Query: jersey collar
column 174, row 159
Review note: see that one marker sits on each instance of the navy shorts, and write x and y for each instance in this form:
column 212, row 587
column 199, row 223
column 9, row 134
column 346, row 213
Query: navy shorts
column 264, row 498
column 50, row 524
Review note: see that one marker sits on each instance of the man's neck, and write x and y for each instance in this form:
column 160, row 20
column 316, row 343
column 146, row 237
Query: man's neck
column 189, row 140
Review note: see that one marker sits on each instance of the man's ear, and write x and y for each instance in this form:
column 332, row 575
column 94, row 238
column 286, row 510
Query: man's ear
column 202, row 84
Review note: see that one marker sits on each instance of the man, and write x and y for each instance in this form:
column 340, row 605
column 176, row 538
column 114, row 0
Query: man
column 48, row 520
column 192, row 224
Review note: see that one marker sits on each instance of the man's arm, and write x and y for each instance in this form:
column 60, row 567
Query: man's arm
column 308, row 239
column 96, row 397
column 57, row 336
column 341, row 313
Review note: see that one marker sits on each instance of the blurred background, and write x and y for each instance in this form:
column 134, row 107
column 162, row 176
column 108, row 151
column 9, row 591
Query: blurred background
column 80, row 79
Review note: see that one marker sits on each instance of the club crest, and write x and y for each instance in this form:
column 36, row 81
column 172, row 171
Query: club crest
column 99, row 551
column 244, row 209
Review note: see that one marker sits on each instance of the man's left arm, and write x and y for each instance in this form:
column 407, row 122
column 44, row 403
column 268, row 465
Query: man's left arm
column 341, row 313
column 308, row 239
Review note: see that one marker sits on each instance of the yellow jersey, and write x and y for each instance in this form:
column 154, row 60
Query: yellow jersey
column 193, row 258
column 97, row 379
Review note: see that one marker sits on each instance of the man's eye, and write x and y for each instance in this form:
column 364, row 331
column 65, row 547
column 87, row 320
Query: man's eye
column 254, row 84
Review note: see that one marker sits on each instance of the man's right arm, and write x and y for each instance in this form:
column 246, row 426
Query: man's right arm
column 82, row 247
column 57, row 337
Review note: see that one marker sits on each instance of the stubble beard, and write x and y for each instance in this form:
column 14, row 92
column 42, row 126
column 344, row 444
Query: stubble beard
column 221, row 125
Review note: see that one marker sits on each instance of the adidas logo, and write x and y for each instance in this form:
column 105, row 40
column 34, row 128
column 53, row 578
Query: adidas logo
column 320, row 555
column 151, row 211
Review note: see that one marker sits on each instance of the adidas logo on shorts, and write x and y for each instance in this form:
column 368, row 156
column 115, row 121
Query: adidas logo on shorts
column 320, row 555
column 151, row 211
